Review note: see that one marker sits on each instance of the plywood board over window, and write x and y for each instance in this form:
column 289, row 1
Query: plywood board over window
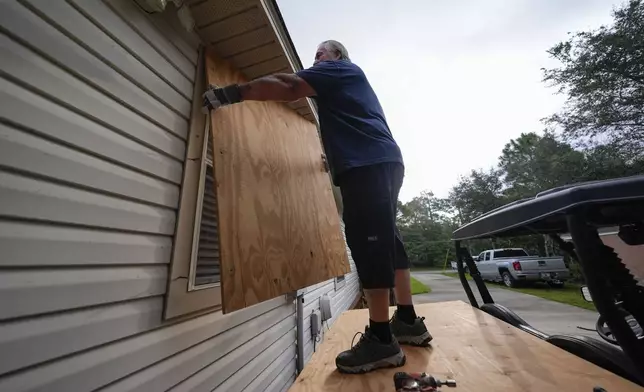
column 279, row 229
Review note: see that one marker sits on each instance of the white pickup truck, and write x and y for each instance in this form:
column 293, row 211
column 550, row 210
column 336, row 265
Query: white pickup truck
column 514, row 265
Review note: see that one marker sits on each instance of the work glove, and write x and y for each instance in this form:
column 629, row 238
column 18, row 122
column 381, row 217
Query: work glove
column 216, row 97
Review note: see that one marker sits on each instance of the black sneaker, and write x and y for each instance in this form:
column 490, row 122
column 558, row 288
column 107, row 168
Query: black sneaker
column 415, row 334
column 370, row 354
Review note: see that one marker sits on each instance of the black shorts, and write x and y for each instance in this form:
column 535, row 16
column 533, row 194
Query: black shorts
column 370, row 201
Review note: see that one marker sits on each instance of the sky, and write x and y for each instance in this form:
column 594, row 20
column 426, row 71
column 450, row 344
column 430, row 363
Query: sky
column 457, row 79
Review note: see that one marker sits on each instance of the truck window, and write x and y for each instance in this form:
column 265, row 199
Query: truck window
column 487, row 255
column 509, row 253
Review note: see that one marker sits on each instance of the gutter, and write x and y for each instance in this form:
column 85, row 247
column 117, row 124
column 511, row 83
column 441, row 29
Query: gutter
column 284, row 32
column 279, row 26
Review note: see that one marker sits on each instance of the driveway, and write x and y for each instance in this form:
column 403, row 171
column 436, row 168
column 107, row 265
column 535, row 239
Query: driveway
column 547, row 316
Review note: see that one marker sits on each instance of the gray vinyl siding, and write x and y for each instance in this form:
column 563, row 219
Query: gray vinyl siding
column 93, row 124
column 341, row 300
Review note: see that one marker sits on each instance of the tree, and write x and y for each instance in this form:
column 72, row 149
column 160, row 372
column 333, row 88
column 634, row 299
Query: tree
column 534, row 163
column 602, row 74
column 476, row 194
column 609, row 161
column 426, row 227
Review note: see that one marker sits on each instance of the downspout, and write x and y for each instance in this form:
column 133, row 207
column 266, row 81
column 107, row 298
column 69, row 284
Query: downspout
column 299, row 317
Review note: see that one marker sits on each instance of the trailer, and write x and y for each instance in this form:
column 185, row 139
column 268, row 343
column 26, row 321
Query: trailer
column 485, row 346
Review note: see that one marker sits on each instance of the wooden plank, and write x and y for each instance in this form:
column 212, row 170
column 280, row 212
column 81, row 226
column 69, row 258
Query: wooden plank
column 479, row 351
column 279, row 227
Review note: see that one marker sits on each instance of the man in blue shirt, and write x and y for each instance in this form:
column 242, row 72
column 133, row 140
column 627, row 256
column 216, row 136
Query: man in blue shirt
column 367, row 165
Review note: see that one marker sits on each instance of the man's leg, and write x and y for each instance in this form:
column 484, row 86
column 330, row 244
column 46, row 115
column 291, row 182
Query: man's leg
column 403, row 287
column 403, row 275
column 371, row 239
column 405, row 325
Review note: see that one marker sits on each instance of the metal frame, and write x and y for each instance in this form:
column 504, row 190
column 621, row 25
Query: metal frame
column 607, row 279
column 614, row 290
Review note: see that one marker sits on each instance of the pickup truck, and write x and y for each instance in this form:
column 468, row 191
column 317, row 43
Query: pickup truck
column 513, row 266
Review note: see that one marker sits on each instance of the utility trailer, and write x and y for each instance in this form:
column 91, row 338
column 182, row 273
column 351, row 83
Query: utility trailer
column 488, row 347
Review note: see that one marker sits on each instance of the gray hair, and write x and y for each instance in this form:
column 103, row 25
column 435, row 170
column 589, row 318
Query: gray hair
column 338, row 48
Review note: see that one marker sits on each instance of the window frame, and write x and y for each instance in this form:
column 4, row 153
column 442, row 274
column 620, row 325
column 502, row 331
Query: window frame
column 181, row 299
column 339, row 281
column 196, row 235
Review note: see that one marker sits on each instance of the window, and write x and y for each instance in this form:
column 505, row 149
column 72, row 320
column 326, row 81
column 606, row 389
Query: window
column 204, row 261
column 487, row 256
column 194, row 266
column 499, row 254
column 339, row 282
column 256, row 217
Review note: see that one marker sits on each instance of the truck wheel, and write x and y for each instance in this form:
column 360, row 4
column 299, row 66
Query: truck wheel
column 556, row 285
column 508, row 280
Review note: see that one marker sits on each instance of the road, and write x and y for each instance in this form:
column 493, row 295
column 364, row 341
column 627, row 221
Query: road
column 547, row 316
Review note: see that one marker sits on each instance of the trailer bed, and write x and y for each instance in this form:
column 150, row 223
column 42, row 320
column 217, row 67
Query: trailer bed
column 481, row 352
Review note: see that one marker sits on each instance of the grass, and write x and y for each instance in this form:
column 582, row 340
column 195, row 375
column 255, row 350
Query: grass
column 570, row 294
column 418, row 287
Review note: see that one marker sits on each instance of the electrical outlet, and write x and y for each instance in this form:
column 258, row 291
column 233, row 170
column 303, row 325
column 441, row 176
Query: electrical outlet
column 325, row 308
column 316, row 324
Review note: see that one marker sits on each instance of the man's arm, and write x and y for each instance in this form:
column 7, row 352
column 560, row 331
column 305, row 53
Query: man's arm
column 277, row 87
column 317, row 81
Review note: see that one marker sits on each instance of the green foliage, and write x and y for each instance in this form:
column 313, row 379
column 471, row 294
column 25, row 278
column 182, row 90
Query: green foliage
column 533, row 163
column 602, row 74
column 426, row 227
column 480, row 192
column 601, row 136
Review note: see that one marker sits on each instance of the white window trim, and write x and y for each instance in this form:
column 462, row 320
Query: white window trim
column 340, row 281
column 180, row 299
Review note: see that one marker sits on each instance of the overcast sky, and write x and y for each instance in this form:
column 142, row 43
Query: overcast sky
column 457, row 78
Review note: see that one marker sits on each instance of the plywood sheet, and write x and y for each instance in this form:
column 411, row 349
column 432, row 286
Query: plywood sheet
column 279, row 225
column 479, row 351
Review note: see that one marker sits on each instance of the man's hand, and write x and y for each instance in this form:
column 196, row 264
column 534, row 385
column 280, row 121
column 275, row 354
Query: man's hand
column 216, row 97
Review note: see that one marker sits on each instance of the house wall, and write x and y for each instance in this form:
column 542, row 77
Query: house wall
column 342, row 298
column 95, row 110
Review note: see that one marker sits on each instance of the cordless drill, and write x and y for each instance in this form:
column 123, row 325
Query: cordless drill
column 419, row 382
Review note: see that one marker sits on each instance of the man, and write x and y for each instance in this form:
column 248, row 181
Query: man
column 367, row 165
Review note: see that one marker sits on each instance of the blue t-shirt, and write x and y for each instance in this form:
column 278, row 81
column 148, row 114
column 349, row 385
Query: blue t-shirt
column 352, row 123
